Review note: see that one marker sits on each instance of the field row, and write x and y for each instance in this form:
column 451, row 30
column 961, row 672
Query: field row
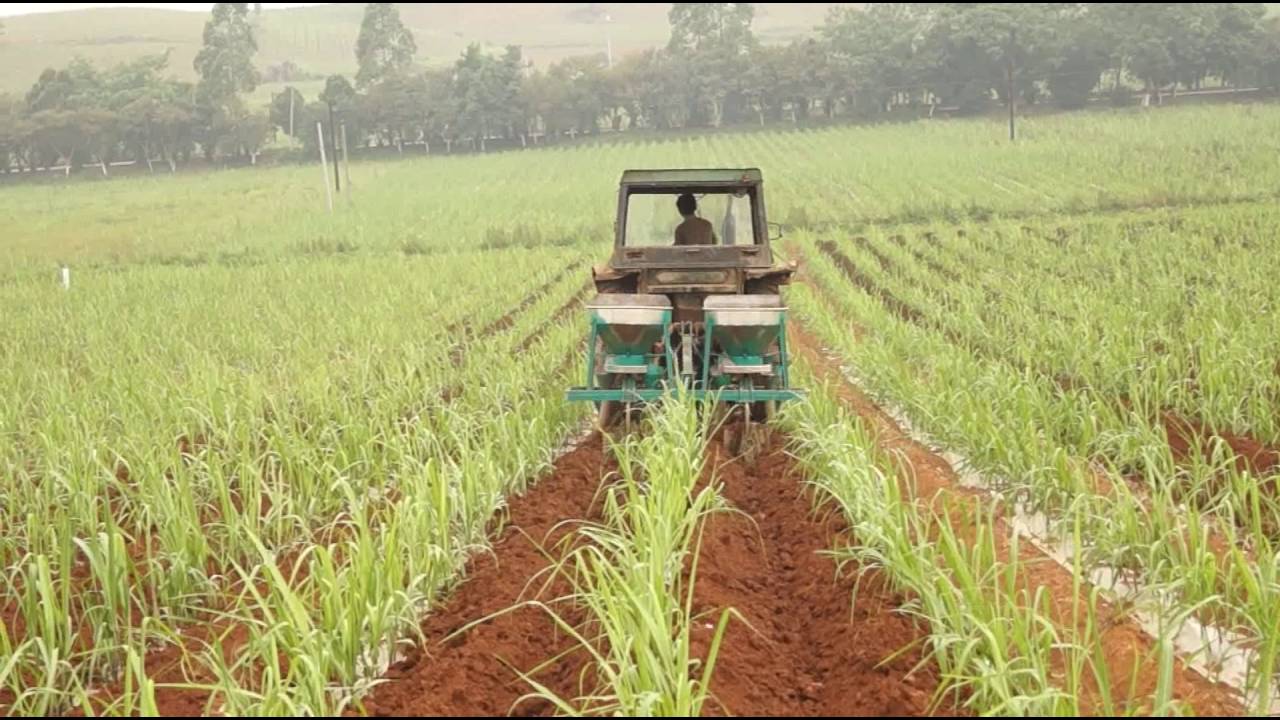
column 1185, row 530
column 236, row 490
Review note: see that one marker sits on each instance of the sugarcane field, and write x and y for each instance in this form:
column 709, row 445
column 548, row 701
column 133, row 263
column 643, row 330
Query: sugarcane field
column 692, row 359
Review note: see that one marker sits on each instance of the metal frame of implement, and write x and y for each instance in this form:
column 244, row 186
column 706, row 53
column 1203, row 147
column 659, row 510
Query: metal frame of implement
column 644, row 380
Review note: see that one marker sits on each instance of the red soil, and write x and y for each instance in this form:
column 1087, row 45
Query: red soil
column 474, row 671
column 569, row 306
column 904, row 311
column 810, row 646
column 1188, row 438
column 507, row 320
column 1128, row 653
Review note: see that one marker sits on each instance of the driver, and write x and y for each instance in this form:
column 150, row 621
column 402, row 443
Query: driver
column 694, row 230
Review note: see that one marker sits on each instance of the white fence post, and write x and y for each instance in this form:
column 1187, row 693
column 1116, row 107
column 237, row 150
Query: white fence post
column 324, row 169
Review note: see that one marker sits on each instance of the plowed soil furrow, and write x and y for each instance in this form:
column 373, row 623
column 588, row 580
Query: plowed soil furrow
column 809, row 645
column 938, row 268
column 994, row 294
column 569, row 306
column 509, row 318
column 1129, row 654
column 171, row 668
column 1188, row 438
column 472, row 671
column 903, row 310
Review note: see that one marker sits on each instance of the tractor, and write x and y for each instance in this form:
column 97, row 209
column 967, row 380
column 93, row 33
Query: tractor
column 704, row 318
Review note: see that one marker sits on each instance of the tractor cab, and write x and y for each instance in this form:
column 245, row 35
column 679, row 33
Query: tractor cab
column 689, row 300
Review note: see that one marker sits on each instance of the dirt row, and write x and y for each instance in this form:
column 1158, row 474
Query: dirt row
column 508, row 319
column 813, row 647
column 1129, row 654
column 169, row 665
column 993, row 293
column 808, row 647
column 461, row 669
column 571, row 305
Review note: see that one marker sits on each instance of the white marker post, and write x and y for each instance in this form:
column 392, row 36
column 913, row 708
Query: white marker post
column 66, row 277
column 324, row 168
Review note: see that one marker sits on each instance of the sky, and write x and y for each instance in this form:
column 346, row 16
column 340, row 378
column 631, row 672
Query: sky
column 10, row 9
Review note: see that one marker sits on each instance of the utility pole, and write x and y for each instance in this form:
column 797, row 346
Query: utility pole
column 292, row 94
column 346, row 163
column 608, row 40
column 324, row 169
column 1008, row 72
column 333, row 142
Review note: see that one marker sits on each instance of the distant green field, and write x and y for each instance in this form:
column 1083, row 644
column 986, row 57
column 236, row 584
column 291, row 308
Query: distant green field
column 322, row 39
column 925, row 170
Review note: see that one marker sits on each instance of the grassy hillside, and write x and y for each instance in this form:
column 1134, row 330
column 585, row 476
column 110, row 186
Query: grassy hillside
column 322, row 39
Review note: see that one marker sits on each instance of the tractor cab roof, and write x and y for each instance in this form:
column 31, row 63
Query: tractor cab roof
column 699, row 178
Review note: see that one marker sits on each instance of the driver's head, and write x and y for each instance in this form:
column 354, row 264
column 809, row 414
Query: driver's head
column 687, row 205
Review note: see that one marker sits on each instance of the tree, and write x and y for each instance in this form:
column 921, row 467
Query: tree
column 588, row 94
column 439, row 108
column 877, row 52
column 698, row 28
column 395, row 109
column 155, row 113
column 1079, row 52
column 1174, row 43
column 385, row 47
column 246, row 133
column 15, row 132
column 545, row 98
column 225, row 63
column 1266, row 68
column 70, row 115
column 974, row 51
column 713, row 42
column 286, row 111
column 338, row 93
column 1236, row 38
column 225, row 66
column 487, row 92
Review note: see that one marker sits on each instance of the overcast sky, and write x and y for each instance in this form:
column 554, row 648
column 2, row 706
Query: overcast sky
column 28, row 8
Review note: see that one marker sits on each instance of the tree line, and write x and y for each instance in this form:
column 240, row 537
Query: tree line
column 891, row 58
